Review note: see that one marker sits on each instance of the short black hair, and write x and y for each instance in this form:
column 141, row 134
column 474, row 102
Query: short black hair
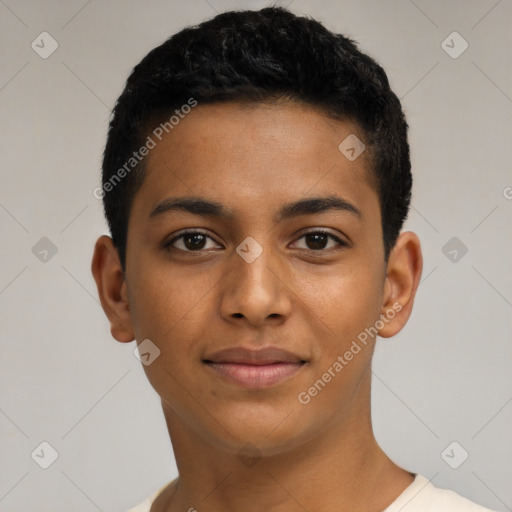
column 258, row 56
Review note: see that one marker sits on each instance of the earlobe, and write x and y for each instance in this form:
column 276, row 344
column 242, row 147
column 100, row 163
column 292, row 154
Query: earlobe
column 404, row 269
column 108, row 274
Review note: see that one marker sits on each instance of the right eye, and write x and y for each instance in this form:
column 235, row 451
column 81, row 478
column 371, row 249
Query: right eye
column 189, row 241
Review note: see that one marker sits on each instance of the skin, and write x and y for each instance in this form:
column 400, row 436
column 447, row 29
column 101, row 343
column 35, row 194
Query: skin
column 253, row 159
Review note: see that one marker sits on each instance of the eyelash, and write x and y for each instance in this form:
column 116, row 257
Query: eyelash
column 341, row 243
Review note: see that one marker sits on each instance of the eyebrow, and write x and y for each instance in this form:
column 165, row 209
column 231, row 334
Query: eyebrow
column 200, row 206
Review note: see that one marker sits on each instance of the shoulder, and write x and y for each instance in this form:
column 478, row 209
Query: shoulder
column 423, row 496
column 160, row 494
column 145, row 505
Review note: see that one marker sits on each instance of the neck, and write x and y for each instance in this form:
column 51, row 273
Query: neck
column 341, row 468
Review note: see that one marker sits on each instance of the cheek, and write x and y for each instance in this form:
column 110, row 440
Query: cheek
column 165, row 299
column 350, row 304
column 343, row 301
column 170, row 310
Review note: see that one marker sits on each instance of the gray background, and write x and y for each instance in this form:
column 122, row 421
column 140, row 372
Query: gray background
column 64, row 380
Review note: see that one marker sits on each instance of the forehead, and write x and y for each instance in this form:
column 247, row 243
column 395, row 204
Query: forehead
column 255, row 154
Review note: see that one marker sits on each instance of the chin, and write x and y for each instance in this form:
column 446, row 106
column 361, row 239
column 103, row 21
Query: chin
column 256, row 434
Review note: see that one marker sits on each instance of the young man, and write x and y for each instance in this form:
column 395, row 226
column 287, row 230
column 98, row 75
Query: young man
column 256, row 179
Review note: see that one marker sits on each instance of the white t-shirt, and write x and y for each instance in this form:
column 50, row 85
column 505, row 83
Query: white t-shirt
column 420, row 496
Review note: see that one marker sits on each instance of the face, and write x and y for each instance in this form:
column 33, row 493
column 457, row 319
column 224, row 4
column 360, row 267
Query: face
column 277, row 251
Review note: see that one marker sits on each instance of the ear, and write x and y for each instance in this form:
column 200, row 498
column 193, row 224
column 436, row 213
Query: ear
column 403, row 274
column 109, row 276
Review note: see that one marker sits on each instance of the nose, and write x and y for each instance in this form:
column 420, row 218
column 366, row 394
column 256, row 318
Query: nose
column 256, row 291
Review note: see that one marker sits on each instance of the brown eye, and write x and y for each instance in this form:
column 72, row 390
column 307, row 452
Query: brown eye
column 190, row 241
column 317, row 241
column 194, row 241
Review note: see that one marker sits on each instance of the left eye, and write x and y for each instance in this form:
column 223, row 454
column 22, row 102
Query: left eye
column 318, row 239
column 193, row 241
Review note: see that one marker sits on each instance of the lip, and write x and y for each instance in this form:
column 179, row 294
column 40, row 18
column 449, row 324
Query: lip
column 255, row 368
